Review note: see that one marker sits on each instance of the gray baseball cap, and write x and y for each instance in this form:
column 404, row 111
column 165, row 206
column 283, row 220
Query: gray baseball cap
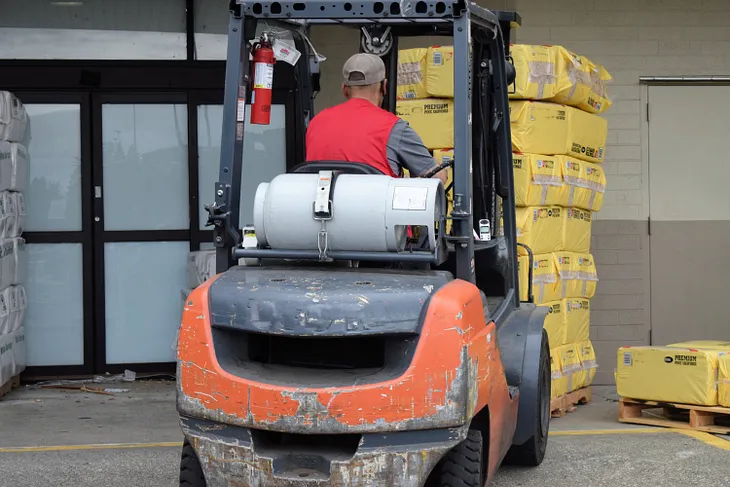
column 363, row 69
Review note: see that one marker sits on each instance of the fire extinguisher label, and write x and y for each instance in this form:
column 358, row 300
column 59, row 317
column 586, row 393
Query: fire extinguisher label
column 264, row 76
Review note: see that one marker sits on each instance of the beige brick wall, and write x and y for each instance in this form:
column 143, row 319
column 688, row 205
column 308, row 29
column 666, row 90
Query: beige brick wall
column 632, row 38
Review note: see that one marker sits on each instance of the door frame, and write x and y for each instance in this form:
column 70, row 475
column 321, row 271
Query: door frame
column 84, row 236
column 102, row 236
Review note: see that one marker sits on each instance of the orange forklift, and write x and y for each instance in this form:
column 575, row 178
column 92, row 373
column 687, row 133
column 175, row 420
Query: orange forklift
column 348, row 339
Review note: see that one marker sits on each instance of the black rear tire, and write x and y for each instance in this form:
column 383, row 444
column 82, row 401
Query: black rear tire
column 191, row 473
column 532, row 452
column 463, row 466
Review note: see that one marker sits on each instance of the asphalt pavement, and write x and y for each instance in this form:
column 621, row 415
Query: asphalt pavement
column 59, row 438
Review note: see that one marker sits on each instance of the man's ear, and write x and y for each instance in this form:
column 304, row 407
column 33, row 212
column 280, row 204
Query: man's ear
column 385, row 87
column 345, row 91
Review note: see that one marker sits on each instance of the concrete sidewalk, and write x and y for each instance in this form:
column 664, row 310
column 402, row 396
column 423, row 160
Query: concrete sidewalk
column 587, row 447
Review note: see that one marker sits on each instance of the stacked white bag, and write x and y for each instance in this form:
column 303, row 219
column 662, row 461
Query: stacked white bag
column 14, row 165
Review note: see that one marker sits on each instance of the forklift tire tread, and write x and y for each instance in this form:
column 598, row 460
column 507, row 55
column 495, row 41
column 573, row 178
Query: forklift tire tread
column 532, row 452
column 463, row 466
column 191, row 474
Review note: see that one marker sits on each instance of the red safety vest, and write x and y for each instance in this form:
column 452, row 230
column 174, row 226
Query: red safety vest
column 353, row 131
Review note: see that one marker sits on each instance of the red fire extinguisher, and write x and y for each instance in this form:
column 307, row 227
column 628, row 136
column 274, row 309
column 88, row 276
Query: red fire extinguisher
column 263, row 81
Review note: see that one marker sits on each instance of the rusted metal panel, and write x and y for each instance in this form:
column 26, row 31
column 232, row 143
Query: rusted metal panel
column 235, row 460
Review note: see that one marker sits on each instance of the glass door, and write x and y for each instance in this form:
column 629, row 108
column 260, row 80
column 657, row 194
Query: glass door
column 58, row 319
column 142, row 206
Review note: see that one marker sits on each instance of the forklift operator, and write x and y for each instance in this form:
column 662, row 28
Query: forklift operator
column 359, row 130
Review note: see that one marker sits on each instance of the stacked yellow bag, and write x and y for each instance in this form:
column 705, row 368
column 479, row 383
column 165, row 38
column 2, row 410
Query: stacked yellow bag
column 559, row 143
column 558, row 139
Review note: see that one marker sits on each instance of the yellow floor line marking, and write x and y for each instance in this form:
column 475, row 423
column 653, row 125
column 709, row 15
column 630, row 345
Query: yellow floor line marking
column 617, row 431
column 103, row 446
column 708, row 438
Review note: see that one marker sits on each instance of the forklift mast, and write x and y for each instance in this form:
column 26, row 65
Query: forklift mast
column 482, row 75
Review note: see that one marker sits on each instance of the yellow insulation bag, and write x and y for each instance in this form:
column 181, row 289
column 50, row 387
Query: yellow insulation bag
column 538, row 179
column 412, row 74
column 580, row 82
column 541, row 228
column 547, row 128
column 433, row 120
column 588, row 364
column 440, row 71
column 723, row 380
column 562, row 275
column 536, row 72
column 585, row 184
column 577, row 230
column 668, row 374
column 723, row 364
column 559, row 383
column 577, row 275
column 571, row 366
column 546, row 286
column 577, row 319
column 555, row 323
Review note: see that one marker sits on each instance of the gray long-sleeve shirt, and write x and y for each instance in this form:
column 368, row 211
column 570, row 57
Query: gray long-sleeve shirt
column 405, row 149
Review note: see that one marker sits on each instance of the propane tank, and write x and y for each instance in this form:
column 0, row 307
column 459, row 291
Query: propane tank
column 263, row 80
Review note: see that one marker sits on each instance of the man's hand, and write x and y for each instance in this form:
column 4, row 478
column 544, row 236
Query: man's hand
column 442, row 175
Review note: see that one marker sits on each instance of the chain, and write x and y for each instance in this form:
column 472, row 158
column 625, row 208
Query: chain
column 322, row 242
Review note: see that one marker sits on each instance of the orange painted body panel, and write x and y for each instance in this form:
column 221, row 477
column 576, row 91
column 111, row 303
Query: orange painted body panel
column 455, row 372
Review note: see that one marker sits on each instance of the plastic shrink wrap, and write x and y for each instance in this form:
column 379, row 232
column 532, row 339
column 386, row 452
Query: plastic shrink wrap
column 577, row 230
column 412, row 74
column 14, row 161
column 588, row 364
column 581, row 82
column 553, row 228
column 538, row 179
column 432, row 119
column 6, row 357
column 555, row 323
column 577, row 319
column 571, row 366
column 440, row 72
column 19, row 351
column 723, row 364
column 13, row 118
column 547, row 128
column 559, row 383
column 540, row 228
column 559, row 275
column 536, row 72
column 584, row 184
column 669, row 374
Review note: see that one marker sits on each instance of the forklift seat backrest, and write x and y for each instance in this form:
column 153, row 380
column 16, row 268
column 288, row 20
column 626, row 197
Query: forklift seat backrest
column 339, row 166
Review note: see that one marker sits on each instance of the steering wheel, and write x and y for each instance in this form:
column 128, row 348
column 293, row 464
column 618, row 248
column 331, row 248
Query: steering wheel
column 432, row 172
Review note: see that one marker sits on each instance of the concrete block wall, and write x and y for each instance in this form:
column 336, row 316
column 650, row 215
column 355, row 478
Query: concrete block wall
column 632, row 38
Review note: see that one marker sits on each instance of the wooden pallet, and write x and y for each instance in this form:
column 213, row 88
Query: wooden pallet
column 673, row 415
column 560, row 406
column 13, row 383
